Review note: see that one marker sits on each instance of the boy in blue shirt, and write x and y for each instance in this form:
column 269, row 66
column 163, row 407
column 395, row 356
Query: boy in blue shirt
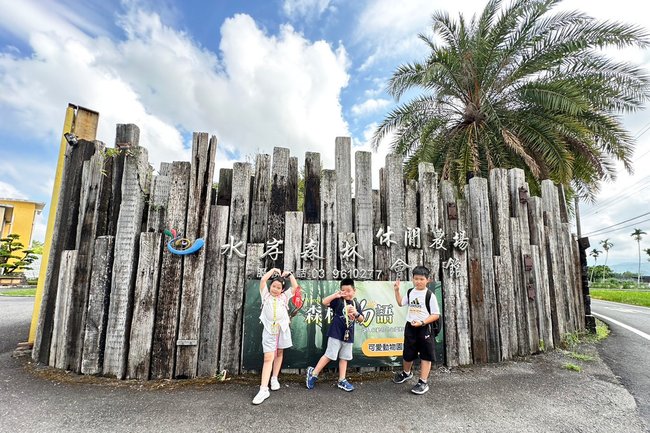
column 346, row 311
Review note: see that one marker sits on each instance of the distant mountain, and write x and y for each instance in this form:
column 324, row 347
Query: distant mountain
column 633, row 267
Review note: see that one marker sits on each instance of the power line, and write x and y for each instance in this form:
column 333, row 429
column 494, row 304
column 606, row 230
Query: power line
column 618, row 224
column 618, row 198
column 620, row 228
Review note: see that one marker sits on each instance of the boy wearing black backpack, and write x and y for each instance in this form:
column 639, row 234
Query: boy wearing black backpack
column 419, row 335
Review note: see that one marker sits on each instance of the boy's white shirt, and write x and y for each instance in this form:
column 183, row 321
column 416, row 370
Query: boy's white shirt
column 416, row 308
column 281, row 312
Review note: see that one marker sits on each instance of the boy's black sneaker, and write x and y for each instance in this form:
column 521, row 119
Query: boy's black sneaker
column 402, row 377
column 420, row 388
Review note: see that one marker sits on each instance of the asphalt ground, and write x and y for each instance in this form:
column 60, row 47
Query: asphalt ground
column 535, row 394
column 627, row 353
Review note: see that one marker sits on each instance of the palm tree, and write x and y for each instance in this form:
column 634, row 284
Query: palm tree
column 637, row 235
column 519, row 87
column 606, row 244
column 594, row 253
column 647, row 251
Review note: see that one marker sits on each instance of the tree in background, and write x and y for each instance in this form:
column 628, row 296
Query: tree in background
column 594, row 253
column 606, row 244
column 637, row 234
column 37, row 247
column 521, row 87
column 13, row 259
column 647, row 251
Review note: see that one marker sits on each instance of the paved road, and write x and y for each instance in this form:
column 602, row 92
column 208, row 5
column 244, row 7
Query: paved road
column 627, row 353
column 533, row 395
column 15, row 318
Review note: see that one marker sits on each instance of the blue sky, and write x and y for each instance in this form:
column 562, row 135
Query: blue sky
column 293, row 73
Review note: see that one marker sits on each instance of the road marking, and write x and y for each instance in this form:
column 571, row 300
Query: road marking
column 623, row 325
column 614, row 305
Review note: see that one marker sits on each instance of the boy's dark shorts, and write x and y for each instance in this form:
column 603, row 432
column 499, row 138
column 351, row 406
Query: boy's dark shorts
column 419, row 340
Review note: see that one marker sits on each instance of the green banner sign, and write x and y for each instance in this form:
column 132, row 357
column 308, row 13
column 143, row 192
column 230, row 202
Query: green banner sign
column 377, row 342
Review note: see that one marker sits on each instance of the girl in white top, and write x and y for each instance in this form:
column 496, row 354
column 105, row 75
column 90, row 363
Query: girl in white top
column 276, row 335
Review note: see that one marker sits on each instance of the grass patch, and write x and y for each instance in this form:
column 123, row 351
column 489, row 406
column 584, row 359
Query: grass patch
column 572, row 367
column 573, row 339
column 18, row 292
column 580, row 356
column 623, row 296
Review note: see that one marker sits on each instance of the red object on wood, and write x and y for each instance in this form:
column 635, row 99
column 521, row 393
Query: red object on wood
column 297, row 298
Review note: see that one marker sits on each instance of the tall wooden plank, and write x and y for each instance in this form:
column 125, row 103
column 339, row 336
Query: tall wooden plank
column 395, row 209
column 519, row 203
column 540, row 272
column 363, row 225
column 312, row 188
column 569, row 279
column 198, row 216
column 455, row 288
column 63, row 310
column 97, row 314
column 329, row 226
column 278, row 205
column 212, row 303
column 504, row 284
column 480, row 229
column 163, row 349
column 135, row 185
column 550, row 206
column 63, row 238
column 233, row 300
column 292, row 185
column 293, row 240
column 144, row 306
column 261, row 197
column 86, row 233
column 578, row 299
column 428, row 190
column 521, row 293
column 343, row 169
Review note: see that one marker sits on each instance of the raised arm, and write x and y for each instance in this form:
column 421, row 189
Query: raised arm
column 266, row 277
column 331, row 297
column 292, row 278
column 398, row 296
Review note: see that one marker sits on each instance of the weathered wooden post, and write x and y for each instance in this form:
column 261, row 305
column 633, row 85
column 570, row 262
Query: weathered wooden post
column 92, row 359
column 163, row 349
column 233, row 301
column 135, row 188
column 200, row 192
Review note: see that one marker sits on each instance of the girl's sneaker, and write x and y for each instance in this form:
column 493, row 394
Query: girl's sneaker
column 275, row 385
column 345, row 385
column 261, row 396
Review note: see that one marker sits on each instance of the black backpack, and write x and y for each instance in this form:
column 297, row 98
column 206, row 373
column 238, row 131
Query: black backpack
column 435, row 326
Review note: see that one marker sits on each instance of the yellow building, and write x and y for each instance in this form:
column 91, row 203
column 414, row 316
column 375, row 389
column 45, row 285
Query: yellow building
column 17, row 217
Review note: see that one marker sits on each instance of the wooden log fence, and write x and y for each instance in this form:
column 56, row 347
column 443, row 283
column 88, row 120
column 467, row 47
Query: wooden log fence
column 117, row 302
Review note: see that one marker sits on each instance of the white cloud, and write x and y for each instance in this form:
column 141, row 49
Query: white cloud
column 9, row 191
column 391, row 32
column 265, row 91
column 304, row 8
column 369, row 106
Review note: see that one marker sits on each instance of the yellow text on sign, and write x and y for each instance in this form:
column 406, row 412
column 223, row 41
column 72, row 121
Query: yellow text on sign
column 376, row 347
